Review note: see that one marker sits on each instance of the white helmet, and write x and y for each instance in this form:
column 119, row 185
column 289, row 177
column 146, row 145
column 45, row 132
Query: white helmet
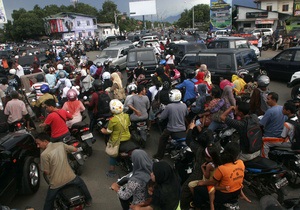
column 60, row 67
column 106, row 75
column 175, row 95
column 116, row 106
column 131, row 87
column 12, row 71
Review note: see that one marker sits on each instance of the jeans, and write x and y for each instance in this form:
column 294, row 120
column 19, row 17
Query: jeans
column 51, row 194
column 214, row 125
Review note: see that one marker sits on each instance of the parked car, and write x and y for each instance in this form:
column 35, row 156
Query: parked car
column 180, row 49
column 117, row 54
column 294, row 83
column 256, row 50
column 19, row 169
column 222, row 63
column 262, row 31
column 283, row 65
column 145, row 55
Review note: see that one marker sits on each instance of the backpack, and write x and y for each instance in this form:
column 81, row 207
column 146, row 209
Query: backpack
column 103, row 103
column 296, row 139
column 62, row 85
column 254, row 135
column 263, row 100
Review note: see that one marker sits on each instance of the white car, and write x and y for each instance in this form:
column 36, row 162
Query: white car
column 256, row 50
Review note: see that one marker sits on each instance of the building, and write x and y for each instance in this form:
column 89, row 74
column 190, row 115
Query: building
column 281, row 6
column 105, row 30
column 66, row 25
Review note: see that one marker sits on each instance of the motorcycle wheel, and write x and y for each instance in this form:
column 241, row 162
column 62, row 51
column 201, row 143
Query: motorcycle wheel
column 265, row 48
column 295, row 91
column 88, row 150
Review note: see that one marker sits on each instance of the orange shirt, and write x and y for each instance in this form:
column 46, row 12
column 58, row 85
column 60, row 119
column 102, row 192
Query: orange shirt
column 230, row 174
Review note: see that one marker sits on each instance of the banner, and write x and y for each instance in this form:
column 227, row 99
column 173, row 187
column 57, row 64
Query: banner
column 3, row 18
column 296, row 8
column 220, row 14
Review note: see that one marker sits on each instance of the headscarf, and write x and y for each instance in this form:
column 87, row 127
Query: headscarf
column 116, row 79
column 200, row 77
column 163, row 172
column 142, row 166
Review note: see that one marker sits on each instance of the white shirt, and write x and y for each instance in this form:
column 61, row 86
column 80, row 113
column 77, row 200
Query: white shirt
column 20, row 71
column 170, row 59
column 259, row 44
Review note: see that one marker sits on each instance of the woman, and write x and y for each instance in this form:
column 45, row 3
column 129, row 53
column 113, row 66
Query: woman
column 228, row 180
column 86, row 81
column 74, row 107
column 135, row 191
column 166, row 189
column 116, row 90
column 118, row 128
column 207, row 73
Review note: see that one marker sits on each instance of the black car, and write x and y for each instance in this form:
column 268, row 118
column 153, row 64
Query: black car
column 19, row 170
column 222, row 63
column 283, row 65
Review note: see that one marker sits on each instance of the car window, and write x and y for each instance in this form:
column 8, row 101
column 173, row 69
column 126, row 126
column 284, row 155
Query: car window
column 145, row 56
column 189, row 61
column 224, row 61
column 241, row 44
column 209, row 60
column 109, row 54
column 131, row 57
column 297, row 56
column 285, row 56
column 249, row 58
column 239, row 61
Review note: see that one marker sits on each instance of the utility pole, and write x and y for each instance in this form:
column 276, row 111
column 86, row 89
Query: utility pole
column 74, row 2
column 193, row 17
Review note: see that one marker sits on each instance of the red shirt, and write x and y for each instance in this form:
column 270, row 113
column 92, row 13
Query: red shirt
column 57, row 124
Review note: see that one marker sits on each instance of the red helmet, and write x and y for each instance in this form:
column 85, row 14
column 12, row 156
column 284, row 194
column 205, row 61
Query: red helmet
column 72, row 95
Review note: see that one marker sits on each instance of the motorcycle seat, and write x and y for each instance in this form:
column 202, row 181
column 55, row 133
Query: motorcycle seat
column 127, row 146
column 78, row 125
column 263, row 164
column 286, row 149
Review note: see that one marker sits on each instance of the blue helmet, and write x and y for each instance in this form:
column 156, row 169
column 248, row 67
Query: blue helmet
column 58, row 58
column 162, row 62
column 45, row 88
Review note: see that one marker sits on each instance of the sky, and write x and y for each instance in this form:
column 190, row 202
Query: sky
column 165, row 8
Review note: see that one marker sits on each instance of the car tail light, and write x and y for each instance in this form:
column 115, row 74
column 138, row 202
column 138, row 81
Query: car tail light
column 84, row 129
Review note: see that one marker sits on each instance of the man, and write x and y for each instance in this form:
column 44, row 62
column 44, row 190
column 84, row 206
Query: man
column 272, row 121
column 56, row 169
column 175, row 112
column 279, row 42
column 19, row 68
column 15, row 109
column 36, row 67
column 56, row 120
column 242, row 111
column 259, row 44
column 287, row 134
column 36, row 87
column 139, row 104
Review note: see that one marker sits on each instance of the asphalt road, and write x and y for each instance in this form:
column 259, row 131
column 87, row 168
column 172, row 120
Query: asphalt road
column 95, row 167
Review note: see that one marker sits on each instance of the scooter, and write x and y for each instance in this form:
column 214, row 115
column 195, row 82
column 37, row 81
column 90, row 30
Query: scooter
column 290, row 159
column 265, row 177
column 175, row 144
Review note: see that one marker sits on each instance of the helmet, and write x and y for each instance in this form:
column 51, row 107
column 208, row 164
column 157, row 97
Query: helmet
column 60, row 67
column 106, row 75
column 263, row 81
column 116, row 106
column 139, row 63
column 242, row 72
column 98, row 84
column 175, row 74
column 166, row 85
column 175, row 95
column 66, row 59
column 45, row 88
column 72, row 95
column 58, row 58
column 162, row 62
column 39, row 78
column 99, row 64
column 131, row 88
column 12, row 71
column 61, row 74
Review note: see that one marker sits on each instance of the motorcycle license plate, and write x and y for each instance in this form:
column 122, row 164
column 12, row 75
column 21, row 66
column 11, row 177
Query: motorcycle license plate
column 281, row 183
column 141, row 124
column 86, row 136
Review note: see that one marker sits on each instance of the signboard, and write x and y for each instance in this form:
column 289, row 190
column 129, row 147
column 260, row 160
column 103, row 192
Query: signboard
column 140, row 8
column 220, row 14
column 296, row 8
column 3, row 18
column 256, row 14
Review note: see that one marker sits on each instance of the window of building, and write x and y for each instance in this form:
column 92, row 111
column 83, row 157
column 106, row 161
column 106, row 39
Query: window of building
column 247, row 25
column 80, row 34
column 269, row 8
column 87, row 22
column 285, row 8
column 78, row 23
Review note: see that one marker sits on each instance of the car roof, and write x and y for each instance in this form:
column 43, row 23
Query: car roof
column 222, row 50
column 142, row 49
column 117, row 47
column 229, row 38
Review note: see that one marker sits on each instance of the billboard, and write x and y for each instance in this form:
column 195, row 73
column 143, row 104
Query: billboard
column 140, row 8
column 220, row 14
column 3, row 18
column 296, row 8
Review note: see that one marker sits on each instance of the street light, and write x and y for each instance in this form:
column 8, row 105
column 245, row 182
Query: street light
column 193, row 12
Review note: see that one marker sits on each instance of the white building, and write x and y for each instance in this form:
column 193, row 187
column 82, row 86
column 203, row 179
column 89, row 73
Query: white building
column 105, row 30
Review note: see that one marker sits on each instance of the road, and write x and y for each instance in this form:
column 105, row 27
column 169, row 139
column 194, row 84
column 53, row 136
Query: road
column 95, row 166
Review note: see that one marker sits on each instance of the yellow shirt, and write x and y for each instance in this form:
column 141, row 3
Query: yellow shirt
column 118, row 127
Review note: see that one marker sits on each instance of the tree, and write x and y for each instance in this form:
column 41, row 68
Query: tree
column 107, row 14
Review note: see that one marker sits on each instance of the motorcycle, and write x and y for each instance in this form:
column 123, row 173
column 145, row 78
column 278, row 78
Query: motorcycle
column 290, row 159
column 175, row 144
column 265, row 177
column 75, row 159
column 124, row 157
column 139, row 132
column 81, row 132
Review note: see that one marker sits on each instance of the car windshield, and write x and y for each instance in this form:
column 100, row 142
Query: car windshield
column 109, row 54
column 141, row 56
column 220, row 61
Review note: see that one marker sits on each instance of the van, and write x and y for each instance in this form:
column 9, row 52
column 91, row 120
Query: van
column 222, row 63
column 145, row 55
column 221, row 33
column 117, row 54
column 262, row 31
column 150, row 37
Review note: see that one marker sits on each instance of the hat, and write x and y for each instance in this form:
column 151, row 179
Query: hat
column 224, row 83
column 12, row 71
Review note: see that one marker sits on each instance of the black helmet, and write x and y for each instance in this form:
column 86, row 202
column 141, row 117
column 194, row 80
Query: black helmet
column 139, row 63
column 98, row 84
column 39, row 78
column 189, row 73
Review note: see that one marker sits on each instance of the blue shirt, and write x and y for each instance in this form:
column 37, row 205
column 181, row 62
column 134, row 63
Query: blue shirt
column 190, row 92
column 273, row 121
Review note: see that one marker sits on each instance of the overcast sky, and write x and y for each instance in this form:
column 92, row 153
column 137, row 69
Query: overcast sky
column 165, row 8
